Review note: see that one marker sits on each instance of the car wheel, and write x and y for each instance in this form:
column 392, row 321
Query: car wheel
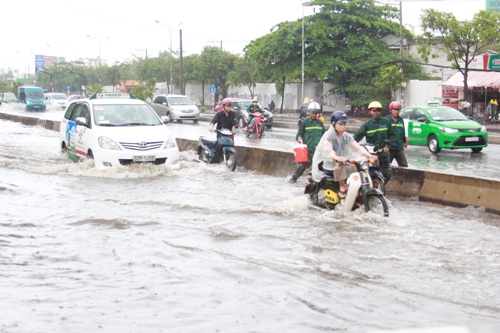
column 433, row 144
column 476, row 150
column 195, row 121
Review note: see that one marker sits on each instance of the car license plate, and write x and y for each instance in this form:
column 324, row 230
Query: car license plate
column 471, row 138
column 144, row 158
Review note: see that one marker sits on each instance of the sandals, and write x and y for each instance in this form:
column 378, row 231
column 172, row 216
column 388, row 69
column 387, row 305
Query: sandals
column 342, row 194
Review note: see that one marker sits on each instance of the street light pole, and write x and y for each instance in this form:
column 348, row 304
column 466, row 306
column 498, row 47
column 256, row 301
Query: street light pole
column 302, row 97
column 99, row 42
column 171, row 55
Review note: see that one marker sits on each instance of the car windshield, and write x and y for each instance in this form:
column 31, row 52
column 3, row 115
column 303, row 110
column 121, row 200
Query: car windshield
column 246, row 104
column 181, row 100
column 59, row 96
column 35, row 94
column 446, row 114
column 125, row 115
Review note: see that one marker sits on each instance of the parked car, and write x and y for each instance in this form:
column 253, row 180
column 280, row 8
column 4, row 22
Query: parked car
column 8, row 97
column 176, row 107
column 443, row 127
column 115, row 129
column 240, row 107
column 58, row 100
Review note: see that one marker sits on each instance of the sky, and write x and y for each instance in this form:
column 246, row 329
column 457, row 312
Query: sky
column 120, row 31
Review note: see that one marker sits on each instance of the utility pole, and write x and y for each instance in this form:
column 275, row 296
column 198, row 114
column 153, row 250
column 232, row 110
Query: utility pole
column 183, row 90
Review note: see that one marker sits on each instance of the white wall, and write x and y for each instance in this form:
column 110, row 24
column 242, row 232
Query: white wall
column 419, row 92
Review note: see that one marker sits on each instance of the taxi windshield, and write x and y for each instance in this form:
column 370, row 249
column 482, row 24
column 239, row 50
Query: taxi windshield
column 125, row 115
column 446, row 114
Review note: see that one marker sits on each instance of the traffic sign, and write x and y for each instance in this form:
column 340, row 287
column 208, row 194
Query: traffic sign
column 213, row 89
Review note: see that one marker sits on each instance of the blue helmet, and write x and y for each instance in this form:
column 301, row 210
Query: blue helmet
column 339, row 116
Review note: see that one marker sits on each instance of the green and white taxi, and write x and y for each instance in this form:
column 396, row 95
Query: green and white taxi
column 115, row 129
column 442, row 127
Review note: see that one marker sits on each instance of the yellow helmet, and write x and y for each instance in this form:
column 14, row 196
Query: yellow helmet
column 374, row 105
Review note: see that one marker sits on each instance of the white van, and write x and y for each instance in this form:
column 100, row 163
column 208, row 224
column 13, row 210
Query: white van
column 56, row 100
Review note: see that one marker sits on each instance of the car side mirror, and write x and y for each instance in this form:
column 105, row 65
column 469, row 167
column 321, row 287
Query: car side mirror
column 422, row 119
column 164, row 103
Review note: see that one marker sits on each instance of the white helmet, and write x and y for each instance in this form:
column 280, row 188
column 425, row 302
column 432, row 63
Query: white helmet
column 313, row 106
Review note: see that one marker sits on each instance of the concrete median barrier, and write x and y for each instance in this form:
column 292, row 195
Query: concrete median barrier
column 434, row 187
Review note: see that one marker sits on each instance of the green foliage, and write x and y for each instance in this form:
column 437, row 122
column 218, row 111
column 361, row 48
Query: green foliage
column 145, row 91
column 94, row 88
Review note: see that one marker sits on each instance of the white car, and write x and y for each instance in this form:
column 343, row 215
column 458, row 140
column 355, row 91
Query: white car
column 176, row 107
column 116, row 129
column 58, row 100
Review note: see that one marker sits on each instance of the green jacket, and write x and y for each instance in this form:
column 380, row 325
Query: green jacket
column 376, row 132
column 398, row 128
column 311, row 132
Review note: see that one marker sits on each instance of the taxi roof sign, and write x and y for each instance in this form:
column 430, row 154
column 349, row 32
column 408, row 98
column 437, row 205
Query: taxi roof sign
column 112, row 95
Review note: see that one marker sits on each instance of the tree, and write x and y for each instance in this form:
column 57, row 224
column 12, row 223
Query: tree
column 145, row 91
column 213, row 67
column 462, row 41
column 244, row 73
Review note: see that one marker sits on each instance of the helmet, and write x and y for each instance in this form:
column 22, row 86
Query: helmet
column 339, row 116
column 395, row 105
column 226, row 101
column 375, row 105
column 255, row 99
column 313, row 107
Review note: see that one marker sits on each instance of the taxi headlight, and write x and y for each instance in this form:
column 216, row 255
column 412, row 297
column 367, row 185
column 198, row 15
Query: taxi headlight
column 106, row 143
column 483, row 129
column 364, row 165
column 448, row 130
column 170, row 143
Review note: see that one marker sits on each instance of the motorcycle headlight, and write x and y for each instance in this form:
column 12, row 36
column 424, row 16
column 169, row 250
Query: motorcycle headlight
column 170, row 143
column 106, row 143
column 364, row 165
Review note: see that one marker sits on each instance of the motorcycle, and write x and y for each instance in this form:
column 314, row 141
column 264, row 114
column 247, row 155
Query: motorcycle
column 258, row 125
column 220, row 150
column 378, row 179
column 360, row 192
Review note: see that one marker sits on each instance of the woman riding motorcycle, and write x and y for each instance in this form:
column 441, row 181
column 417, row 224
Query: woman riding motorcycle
column 334, row 149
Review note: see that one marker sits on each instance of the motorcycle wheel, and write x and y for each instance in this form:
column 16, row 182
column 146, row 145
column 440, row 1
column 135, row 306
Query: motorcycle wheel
column 379, row 184
column 376, row 203
column 231, row 160
column 260, row 130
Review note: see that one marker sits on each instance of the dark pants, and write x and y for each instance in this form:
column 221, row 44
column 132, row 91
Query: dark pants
column 399, row 156
column 303, row 166
column 385, row 167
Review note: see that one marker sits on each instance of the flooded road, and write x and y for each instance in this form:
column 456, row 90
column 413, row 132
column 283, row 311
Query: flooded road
column 200, row 249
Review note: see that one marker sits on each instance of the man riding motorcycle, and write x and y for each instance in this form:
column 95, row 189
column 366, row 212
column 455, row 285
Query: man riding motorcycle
column 254, row 107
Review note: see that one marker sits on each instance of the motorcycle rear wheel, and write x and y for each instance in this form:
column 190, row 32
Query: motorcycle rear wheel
column 376, row 203
column 231, row 160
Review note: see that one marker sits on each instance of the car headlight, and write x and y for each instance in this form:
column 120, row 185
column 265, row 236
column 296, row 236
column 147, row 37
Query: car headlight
column 28, row 103
column 106, row 143
column 171, row 143
column 448, row 130
column 483, row 129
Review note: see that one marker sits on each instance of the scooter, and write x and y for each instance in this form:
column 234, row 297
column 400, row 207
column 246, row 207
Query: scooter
column 378, row 179
column 360, row 192
column 220, row 150
column 258, row 125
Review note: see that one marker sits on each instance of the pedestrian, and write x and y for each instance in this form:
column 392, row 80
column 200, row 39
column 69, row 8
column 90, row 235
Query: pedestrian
column 377, row 131
column 397, row 149
column 310, row 131
column 272, row 106
column 334, row 149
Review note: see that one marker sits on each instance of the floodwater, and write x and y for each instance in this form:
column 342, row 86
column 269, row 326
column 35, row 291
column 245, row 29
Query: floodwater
column 201, row 249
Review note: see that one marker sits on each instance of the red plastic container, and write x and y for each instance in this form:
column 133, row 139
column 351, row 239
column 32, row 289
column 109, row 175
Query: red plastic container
column 300, row 153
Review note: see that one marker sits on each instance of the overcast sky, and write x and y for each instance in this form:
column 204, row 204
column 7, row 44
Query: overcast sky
column 119, row 30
